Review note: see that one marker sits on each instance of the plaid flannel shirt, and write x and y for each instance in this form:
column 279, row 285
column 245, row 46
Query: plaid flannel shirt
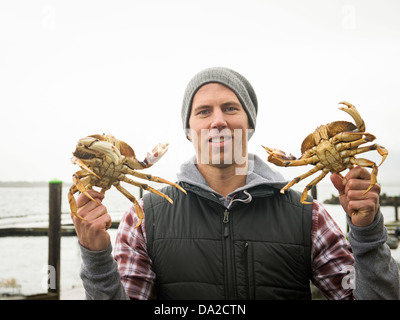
column 331, row 256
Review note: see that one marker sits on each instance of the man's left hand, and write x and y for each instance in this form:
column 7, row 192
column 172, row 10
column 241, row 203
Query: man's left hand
column 361, row 208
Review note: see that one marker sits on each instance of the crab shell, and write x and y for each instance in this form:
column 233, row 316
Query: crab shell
column 333, row 129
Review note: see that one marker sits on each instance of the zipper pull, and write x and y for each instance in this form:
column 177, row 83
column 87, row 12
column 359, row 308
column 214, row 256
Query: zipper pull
column 226, row 216
column 226, row 221
column 245, row 247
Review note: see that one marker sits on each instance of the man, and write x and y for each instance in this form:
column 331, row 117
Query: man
column 234, row 236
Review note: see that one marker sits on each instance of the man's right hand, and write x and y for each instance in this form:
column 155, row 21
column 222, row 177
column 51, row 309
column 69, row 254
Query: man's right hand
column 92, row 233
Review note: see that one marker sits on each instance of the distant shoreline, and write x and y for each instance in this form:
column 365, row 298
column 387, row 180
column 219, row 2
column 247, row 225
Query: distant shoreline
column 26, row 184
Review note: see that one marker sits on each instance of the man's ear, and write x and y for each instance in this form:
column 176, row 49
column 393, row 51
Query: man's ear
column 187, row 132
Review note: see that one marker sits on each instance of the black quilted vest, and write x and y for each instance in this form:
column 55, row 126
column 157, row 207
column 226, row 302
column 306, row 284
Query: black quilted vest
column 256, row 250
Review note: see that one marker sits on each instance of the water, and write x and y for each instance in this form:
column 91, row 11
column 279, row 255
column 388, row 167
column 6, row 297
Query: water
column 25, row 258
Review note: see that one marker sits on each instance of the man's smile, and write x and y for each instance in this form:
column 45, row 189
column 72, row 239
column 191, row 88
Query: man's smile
column 219, row 140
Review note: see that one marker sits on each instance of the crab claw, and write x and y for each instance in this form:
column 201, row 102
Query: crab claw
column 156, row 154
column 279, row 157
column 351, row 110
column 279, row 154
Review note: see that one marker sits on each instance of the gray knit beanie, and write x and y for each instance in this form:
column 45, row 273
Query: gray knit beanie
column 233, row 80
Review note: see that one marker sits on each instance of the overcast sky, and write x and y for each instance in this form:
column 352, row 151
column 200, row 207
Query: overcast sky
column 73, row 68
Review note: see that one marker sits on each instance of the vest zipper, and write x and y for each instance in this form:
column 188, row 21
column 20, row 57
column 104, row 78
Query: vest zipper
column 226, row 225
column 229, row 274
column 246, row 267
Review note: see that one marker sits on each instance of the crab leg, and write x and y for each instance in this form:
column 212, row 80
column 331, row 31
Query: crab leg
column 351, row 137
column 80, row 163
column 279, row 158
column 138, row 209
column 312, row 184
column 369, row 164
column 295, row 163
column 149, row 177
column 147, row 188
column 78, row 186
column 301, row 177
column 103, row 190
column 72, row 201
column 83, row 189
column 381, row 150
column 341, row 143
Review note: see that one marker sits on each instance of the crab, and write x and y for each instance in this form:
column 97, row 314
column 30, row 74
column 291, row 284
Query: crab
column 105, row 161
column 331, row 148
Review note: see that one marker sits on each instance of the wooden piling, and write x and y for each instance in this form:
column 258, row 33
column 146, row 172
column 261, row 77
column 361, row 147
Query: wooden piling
column 54, row 234
column 314, row 192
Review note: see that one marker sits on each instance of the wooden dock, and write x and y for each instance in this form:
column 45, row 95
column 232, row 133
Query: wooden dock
column 53, row 231
column 66, row 231
column 34, row 231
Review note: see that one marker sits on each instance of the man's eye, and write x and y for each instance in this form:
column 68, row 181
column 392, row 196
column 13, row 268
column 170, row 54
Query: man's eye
column 203, row 112
column 230, row 109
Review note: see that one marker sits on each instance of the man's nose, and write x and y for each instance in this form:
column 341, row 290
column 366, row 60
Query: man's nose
column 218, row 119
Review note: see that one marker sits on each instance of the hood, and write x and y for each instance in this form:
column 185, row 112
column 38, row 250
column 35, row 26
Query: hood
column 259, row 173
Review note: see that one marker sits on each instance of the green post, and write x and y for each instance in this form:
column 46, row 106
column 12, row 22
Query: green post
column 54, row 234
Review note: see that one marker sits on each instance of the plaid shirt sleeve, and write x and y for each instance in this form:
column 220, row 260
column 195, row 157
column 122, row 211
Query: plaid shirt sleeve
column 134, row 264
column 331, row 256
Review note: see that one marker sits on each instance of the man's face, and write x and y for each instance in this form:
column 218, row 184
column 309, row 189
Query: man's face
column 218, row 126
